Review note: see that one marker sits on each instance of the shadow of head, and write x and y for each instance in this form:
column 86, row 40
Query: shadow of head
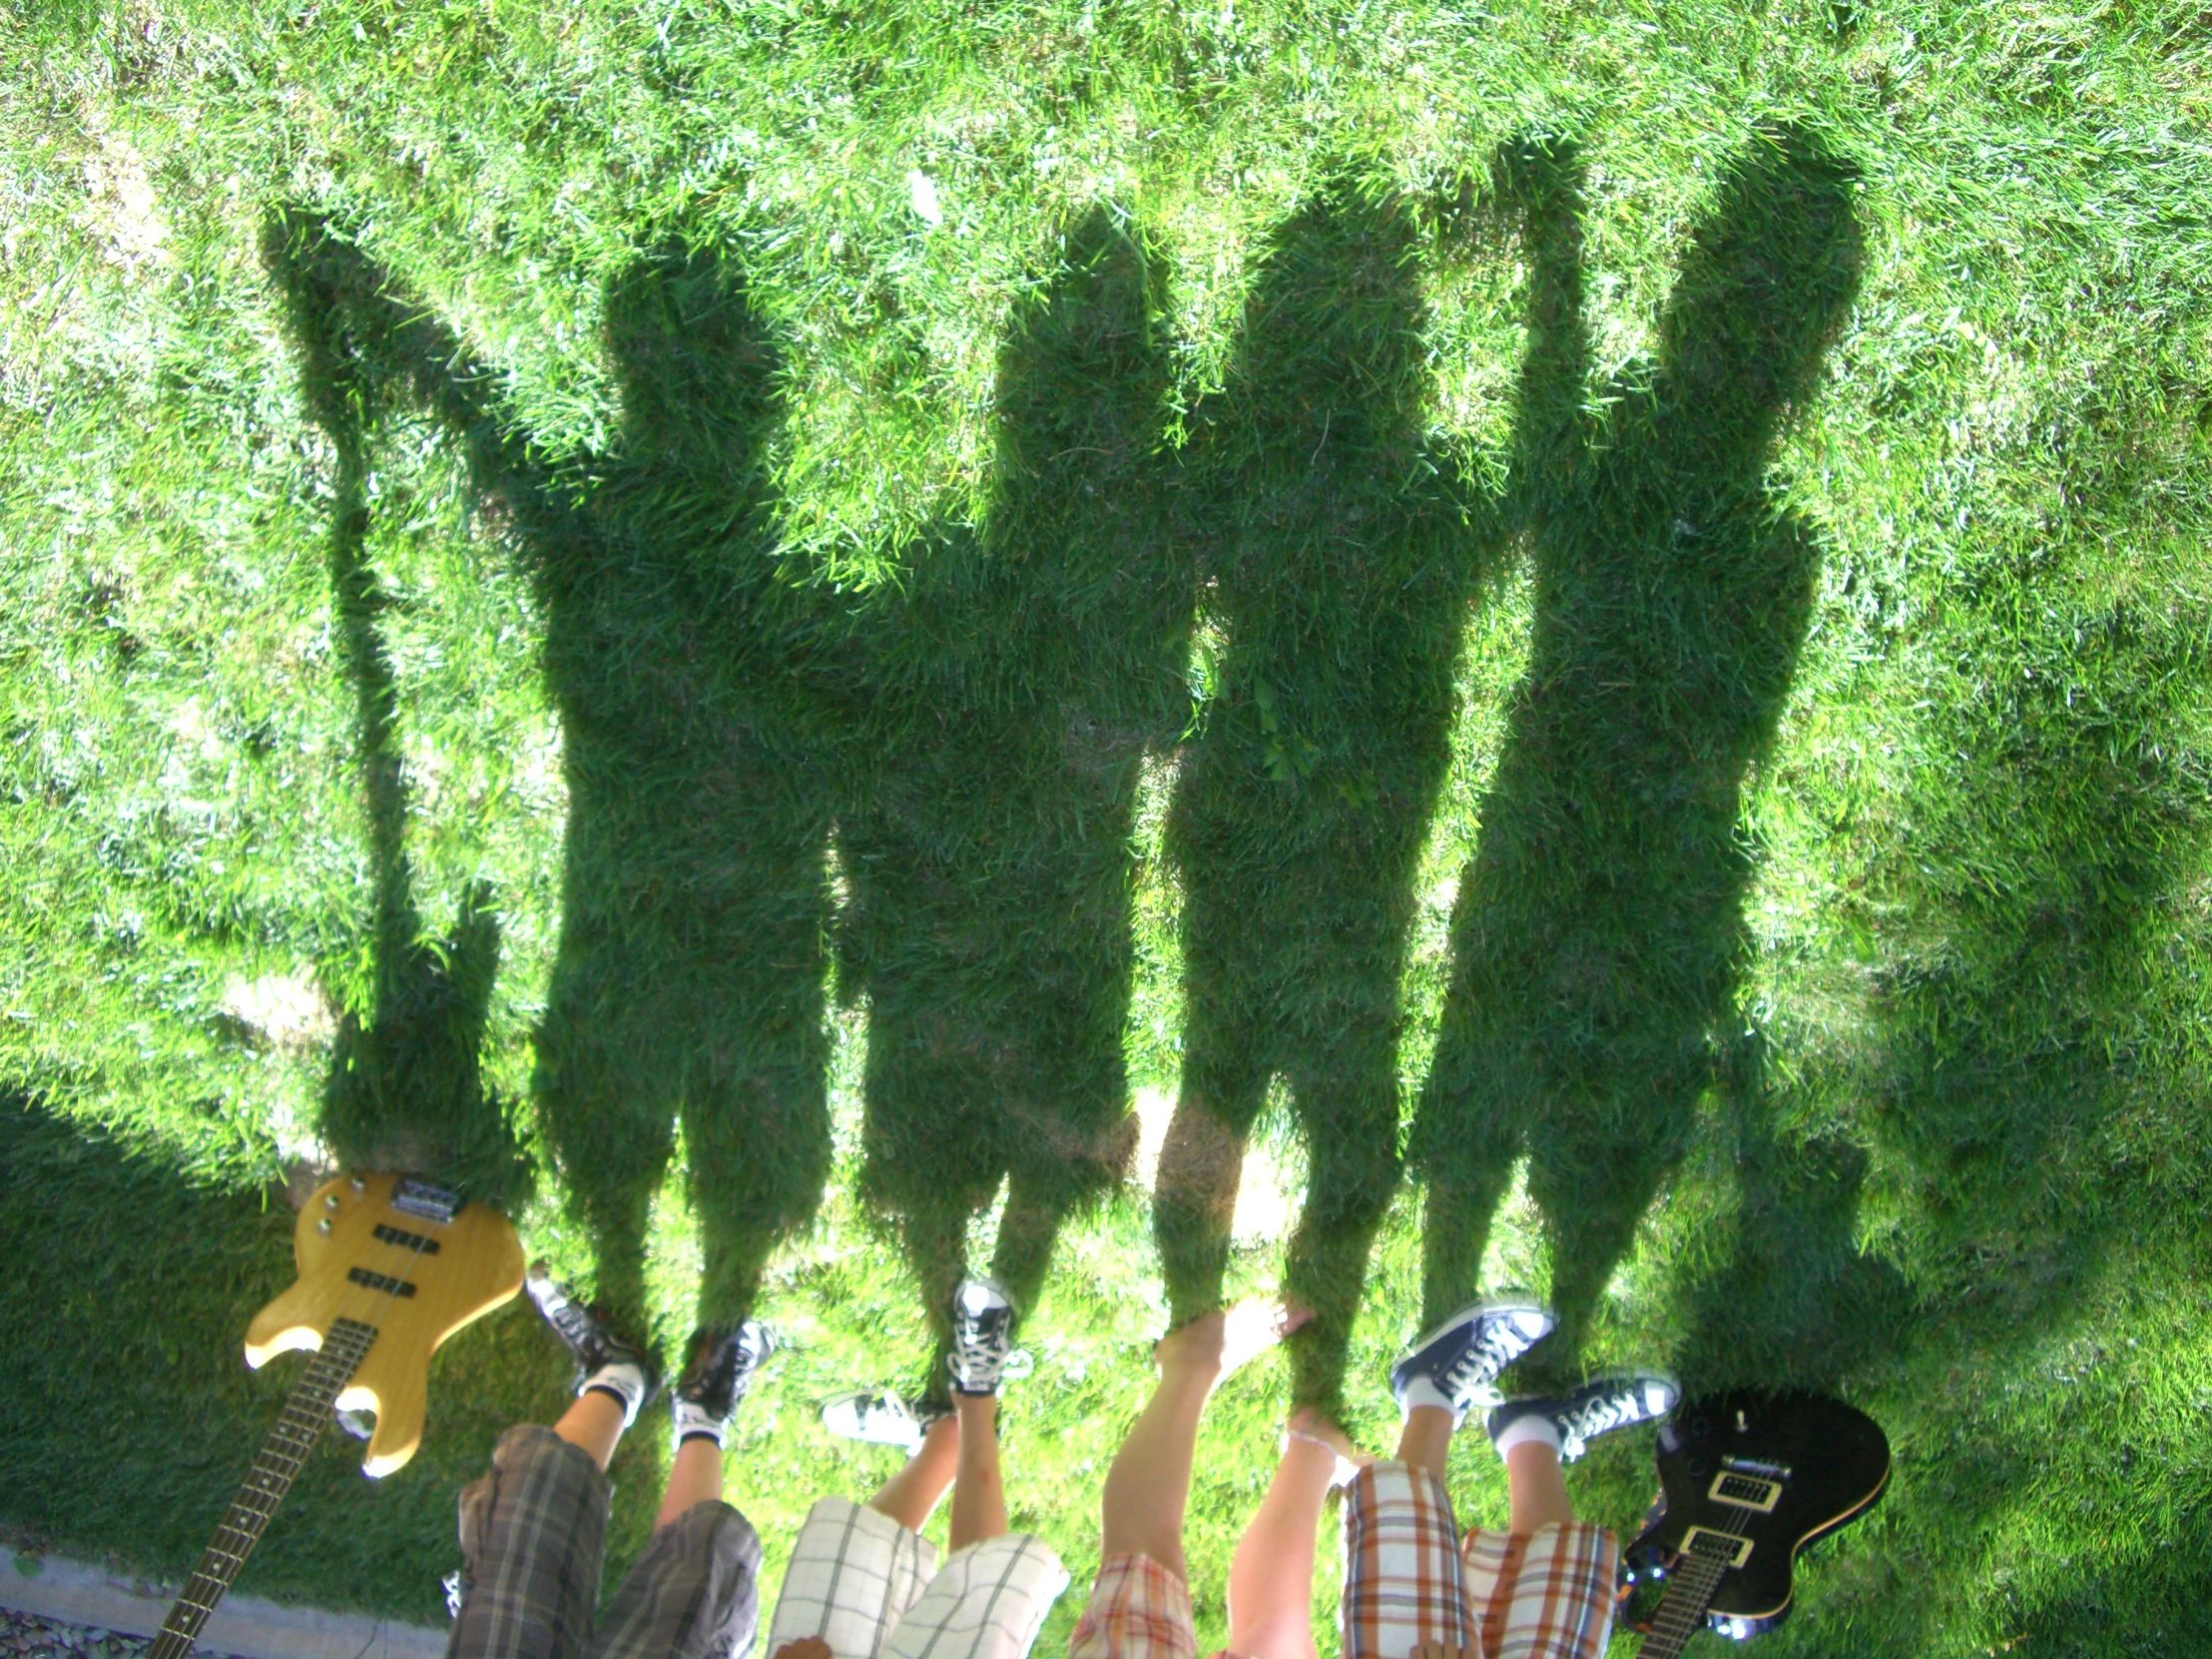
column 344, row 325
column 1337, row 308
column 1765, row 289
column 699, row 369
column 1084, row 352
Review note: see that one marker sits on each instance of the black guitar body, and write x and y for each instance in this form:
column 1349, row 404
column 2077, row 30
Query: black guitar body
column 1752, row 1478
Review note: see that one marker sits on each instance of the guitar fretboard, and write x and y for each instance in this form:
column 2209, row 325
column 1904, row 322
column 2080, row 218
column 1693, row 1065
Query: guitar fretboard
column 307, row 1410
column 1681, row 1612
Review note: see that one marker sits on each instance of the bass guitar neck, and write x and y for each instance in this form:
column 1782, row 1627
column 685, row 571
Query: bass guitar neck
column 276, row 1467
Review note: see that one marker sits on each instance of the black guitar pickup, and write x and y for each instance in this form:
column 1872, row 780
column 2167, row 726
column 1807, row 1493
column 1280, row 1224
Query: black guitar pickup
column 1745, row 1491
column 406, row 1241
column 1708, row 1544
column 380, row 1282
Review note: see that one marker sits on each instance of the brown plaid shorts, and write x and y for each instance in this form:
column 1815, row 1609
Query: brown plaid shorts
column 1410, row 1580
column 533, row 1531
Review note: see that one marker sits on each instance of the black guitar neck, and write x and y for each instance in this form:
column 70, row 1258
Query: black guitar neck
column 1682, row 1610
column 305, row 1410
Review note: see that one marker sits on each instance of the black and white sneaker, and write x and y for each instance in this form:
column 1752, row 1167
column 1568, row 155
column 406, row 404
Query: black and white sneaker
column 602, row 1360
column 982, row 1336
column 1457, row 1363
column 721, row 1367
column 881, row 1419
column 1619, row 1399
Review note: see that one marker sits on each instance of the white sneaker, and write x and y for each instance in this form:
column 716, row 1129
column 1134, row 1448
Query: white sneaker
column 880, row 1419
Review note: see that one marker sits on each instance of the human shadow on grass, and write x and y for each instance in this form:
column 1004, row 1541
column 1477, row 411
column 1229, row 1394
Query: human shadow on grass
column 687, row 980
column 1021, row 675
column 1597, row 930
column 974, row 739
column 1339, row 552
column 404, row 1089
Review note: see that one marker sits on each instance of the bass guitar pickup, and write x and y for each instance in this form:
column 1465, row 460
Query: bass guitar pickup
column 418, row 1198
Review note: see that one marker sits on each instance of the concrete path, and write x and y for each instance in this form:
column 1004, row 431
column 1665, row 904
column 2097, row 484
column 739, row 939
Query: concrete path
column 244, row 1627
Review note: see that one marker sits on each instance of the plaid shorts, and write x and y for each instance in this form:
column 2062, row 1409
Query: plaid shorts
column 533, row 1532
column 1410, row 1580
column 872, row 1589
column 1138, row 1610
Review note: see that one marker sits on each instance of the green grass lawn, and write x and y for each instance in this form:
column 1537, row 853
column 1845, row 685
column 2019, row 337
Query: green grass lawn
column 1394, row 647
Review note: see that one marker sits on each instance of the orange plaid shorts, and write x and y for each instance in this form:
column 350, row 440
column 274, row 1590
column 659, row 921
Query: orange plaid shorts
column 1138, row 1610
column 1410, row 1579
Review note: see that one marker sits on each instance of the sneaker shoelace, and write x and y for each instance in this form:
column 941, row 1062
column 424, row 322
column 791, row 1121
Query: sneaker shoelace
column 1608, row 1410
column 576, row 1328
column 1480, row 1360
column 731, row 1367
column 979, row 1344
column 883, row 1413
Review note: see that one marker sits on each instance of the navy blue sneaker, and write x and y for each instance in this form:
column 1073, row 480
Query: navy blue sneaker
column 1618, row 1399
column 1457, row 1363
column 982, row 1336
column 721, row 1367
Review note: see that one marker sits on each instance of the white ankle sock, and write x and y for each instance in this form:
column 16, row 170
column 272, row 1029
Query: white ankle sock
column 623, row 1379
column 1534, row 1427
column 1420, row 1392
column 688, row 1422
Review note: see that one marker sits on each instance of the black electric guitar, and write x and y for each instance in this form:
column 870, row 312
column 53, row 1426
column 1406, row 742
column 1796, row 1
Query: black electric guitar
column 1747, row 1480
column 388, row 1268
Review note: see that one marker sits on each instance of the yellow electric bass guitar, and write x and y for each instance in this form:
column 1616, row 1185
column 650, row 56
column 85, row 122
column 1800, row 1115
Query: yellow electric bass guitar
column 388, row 1268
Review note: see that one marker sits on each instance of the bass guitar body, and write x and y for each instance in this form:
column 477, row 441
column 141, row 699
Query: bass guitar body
column 1747, row 1480
column 381, row 1251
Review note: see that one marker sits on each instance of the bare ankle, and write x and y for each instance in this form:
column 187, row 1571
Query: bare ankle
column 1305, row 1423
column 1193, row 1349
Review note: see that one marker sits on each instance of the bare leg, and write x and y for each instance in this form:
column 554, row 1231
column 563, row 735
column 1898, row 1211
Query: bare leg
column 978, row 1494
column 592, row 1423
column 1149, row 1484
column 693, row 1478
column 911, row 1496
column 1535, row 1488
column 1271, row 1578
column 1425, row 1441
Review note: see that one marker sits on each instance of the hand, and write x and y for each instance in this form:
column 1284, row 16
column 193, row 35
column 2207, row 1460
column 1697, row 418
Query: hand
column 813, row 1647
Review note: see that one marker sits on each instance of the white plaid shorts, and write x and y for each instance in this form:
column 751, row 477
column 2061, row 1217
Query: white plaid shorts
column 872, row 1589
